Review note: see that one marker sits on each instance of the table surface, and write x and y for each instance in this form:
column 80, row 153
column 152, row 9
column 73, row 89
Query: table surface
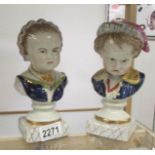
column 142, row 138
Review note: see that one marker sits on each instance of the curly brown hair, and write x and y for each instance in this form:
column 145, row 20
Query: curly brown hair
column 33, row 27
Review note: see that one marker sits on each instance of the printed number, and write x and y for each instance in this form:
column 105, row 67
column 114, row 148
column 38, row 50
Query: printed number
column 49, row 132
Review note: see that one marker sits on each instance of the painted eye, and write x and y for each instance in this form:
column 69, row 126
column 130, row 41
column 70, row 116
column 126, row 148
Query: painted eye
column 55, row 50
column 125, row 60
column 43, row 51
column 112, row 59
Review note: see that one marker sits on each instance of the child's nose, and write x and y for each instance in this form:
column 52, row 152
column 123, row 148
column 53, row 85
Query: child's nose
column 49, row 54
column 118, row 66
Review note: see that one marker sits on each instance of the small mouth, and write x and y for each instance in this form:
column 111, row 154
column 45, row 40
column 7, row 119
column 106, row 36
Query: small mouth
column 50, row 62
column 115, row 70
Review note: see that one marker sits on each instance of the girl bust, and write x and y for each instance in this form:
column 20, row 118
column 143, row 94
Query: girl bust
column 40, row 43
column 118, row 43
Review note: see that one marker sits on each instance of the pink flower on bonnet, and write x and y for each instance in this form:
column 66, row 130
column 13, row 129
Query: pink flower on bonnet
column 129, row 28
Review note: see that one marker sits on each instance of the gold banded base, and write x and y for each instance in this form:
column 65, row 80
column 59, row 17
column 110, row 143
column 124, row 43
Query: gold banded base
column 112, row 121
column 42, row 123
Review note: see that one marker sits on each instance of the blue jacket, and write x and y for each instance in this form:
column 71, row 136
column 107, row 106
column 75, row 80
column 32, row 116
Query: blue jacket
column 131, row 82
column 35, row 90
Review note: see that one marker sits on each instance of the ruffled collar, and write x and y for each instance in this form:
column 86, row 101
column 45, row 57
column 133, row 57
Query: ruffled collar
column 131, row 77
column 45, row 78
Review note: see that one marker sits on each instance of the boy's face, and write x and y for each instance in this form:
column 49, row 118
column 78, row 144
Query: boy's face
column 117, row 60
column 44, row 51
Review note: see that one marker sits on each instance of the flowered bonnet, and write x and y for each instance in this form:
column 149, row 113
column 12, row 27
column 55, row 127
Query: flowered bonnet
column 129, row 28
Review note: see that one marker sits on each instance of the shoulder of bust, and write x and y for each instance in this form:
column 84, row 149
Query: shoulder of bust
column 133, row 76
column 100, row 75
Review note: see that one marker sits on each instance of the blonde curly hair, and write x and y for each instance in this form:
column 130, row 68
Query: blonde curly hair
column 33, row 27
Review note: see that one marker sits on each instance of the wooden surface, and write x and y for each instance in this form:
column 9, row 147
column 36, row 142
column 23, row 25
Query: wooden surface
column 130, row 15
column 130, row 12
column 141, row 139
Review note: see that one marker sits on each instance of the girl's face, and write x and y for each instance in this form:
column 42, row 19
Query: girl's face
column 117, row 60
column 44, row 51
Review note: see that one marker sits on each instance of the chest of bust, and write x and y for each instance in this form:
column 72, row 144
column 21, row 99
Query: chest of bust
column 42, row 93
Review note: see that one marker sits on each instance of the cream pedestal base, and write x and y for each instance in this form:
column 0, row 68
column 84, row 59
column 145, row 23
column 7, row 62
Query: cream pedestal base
column 43, row 112
column 113, row 110
column 31, row 132
column 113, row 131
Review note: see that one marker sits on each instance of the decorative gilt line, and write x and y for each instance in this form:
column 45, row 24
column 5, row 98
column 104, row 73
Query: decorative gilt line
column 42, row 123
column 112, row 121
column 59, row 110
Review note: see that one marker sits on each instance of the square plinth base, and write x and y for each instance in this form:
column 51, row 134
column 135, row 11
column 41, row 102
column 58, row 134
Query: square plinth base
column 113, row 131
column 31, row 132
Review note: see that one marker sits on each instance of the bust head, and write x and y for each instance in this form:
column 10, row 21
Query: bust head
column 117, row 52
column 118, row 44
column 40, row 42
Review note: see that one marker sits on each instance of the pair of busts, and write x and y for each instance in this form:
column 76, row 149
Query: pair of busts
column 40, row 42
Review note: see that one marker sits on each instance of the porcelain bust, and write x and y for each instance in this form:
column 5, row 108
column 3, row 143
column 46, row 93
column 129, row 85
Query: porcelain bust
column 118, row 44
column 40, row 43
